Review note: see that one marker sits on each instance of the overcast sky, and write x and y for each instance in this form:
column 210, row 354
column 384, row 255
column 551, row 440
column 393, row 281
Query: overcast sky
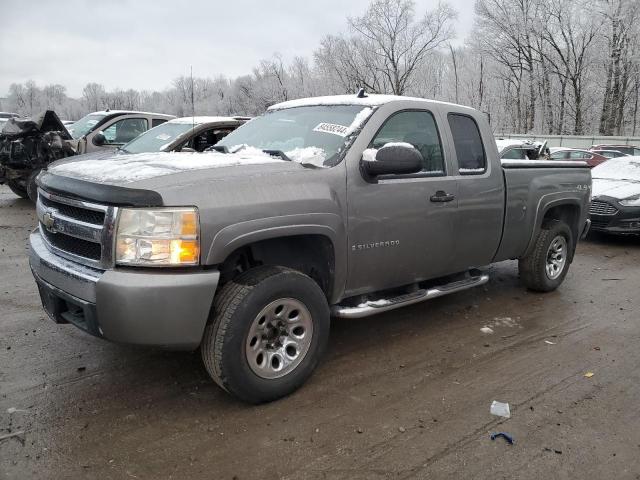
column 144, row 44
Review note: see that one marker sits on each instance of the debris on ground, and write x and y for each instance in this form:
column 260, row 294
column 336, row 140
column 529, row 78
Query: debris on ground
column 589, row 374
column 12, row 410
column 549, row 343
column 18, row 435
column 504, row 435
column 500, row 409
column 486, row 330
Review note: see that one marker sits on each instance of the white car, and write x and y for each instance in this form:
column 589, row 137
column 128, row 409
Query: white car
column 615, row 205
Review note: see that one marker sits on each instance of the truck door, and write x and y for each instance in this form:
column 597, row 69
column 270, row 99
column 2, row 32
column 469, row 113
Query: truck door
column 479, row 217
column 401, row 226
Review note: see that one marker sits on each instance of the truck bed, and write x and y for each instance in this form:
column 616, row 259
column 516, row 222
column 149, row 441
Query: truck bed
column 531, row 188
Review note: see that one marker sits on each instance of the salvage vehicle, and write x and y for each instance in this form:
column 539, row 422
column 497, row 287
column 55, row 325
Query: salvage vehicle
column 111, row 129
column 4, row 116
column 26, row 146
column 186, row 135
column 610, row 153
column 631, row 150
column 564, row 153
column 343, row 206
column 615, row 207
column 514, row 149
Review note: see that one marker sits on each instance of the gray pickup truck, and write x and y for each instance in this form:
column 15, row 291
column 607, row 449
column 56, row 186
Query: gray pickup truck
column 342, row 206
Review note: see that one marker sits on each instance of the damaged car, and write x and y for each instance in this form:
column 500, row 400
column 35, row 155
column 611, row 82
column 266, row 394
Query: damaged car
column 29, row 144
column 615, row 206
column 111, row 129
column 515, row 149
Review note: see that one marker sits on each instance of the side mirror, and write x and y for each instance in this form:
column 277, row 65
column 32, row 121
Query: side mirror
column 99, row 139
column 392, row 159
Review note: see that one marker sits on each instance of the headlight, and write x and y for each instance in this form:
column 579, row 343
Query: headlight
column 631, row 202
column 158, row 237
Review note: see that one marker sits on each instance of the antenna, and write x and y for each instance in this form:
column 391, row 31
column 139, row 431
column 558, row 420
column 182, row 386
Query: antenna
column 193, row 105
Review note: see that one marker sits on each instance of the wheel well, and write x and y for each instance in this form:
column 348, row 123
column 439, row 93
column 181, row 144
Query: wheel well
column 312, row 255
column 569, row 214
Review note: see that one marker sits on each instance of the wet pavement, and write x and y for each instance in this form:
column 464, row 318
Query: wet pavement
column 400, row 395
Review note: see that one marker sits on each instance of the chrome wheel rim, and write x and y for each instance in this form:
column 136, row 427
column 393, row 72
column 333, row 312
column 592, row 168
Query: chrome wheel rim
column 279, row 338
column 556, row 257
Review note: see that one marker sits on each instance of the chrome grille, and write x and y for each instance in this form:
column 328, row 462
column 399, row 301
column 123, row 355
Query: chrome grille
column 602, row 208
column 77, row 230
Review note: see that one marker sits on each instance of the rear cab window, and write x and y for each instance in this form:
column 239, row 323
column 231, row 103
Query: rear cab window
column 472, row 159
column 417, row 128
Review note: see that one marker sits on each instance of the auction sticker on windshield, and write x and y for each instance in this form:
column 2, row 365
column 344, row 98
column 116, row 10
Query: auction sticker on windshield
column 333, row 128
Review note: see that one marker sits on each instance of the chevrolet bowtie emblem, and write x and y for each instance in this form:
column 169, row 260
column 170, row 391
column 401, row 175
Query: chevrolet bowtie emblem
column 48, row 220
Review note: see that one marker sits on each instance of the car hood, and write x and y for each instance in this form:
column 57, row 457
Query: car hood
column 164, row 169
column 615, row 188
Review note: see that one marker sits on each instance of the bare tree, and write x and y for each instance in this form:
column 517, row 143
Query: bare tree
column 386, row 46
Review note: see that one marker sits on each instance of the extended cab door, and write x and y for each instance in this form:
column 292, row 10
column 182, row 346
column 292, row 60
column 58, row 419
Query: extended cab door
column 400, row 226
column 480, row 213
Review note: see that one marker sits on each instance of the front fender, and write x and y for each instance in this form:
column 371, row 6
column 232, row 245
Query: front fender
column 237, row 235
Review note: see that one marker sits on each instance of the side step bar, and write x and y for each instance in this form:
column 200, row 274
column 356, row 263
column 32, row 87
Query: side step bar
column 373, row 307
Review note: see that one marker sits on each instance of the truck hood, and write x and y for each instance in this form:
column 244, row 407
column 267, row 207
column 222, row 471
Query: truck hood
column 123, row 170
column 615, row 188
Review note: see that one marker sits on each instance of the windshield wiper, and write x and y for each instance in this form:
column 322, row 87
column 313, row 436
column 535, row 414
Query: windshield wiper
column 278, row 153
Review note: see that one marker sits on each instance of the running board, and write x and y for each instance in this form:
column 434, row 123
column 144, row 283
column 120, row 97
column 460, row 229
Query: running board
column 372, row 307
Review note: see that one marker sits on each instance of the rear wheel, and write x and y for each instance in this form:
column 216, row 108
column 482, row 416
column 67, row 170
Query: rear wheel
column 269, row 330
column 18, row 189
column 544, row 269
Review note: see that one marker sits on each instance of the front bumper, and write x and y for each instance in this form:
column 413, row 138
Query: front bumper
column 625, row 220
column 143, row 307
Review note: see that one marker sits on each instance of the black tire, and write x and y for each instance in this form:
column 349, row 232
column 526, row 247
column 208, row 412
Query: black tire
column 18, row 189
column 32, row 187
column 236, row 307
column 533, row 267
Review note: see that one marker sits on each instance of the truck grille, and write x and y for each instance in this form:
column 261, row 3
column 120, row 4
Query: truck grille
column 602, row 208
column 77, row 230
column 81, row 214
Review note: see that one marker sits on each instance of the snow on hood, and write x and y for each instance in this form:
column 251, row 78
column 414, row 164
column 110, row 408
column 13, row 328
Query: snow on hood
column 618, row 178
column 142, row 166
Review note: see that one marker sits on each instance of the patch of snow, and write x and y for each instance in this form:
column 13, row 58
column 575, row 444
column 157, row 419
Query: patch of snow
column 374, row 303
column 359, row 119
column 308, row 155
column 621, row 168
column 487, row 330
column 369, row 155
column 142, row 166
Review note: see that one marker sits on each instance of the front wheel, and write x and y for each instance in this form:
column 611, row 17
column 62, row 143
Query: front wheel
column 544, row 269
column 269, row 330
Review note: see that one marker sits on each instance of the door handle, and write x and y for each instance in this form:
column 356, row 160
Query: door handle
column 442, row 196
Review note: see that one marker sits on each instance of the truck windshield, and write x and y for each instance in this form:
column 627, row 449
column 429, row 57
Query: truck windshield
column 85, row 125
column 156, row 139
column 313, row 135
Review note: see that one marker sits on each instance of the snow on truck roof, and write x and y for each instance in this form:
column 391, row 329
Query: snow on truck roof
column 371, row 100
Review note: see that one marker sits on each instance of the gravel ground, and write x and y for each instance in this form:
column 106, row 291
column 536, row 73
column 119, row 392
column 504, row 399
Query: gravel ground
column 400, row 395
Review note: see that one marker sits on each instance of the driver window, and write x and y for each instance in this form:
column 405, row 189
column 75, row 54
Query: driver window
column 419, row 129
column 208, row 138
column 124, row 131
